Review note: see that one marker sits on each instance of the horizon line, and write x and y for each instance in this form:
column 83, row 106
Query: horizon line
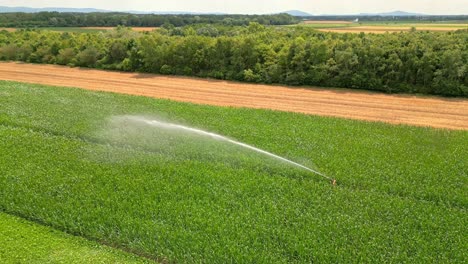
column 162, row 12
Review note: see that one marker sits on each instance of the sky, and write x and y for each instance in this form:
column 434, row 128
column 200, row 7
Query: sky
column 434, row 7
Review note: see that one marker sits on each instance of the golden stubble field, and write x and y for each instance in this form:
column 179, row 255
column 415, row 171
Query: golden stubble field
column 380, row 28
column 360, row 105
column 384, row 29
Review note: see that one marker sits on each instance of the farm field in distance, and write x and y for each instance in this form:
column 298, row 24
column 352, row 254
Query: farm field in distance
column 324, row 26
column 384, row 26
column 401, row 193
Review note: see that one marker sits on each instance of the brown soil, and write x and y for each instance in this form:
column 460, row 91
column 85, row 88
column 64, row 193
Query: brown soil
column 8, row 29
column 395, row 109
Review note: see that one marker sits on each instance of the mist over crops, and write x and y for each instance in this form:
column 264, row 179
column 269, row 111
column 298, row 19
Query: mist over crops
column 161, row 137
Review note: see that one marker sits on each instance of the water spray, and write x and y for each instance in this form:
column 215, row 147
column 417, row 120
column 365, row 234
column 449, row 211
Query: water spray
column 171, row 126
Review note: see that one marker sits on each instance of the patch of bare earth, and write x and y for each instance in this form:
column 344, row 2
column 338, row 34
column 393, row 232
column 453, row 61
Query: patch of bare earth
column 395, row 109
column 8, row 29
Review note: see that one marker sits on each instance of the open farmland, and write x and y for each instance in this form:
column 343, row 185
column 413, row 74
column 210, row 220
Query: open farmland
column 213, row 138
column 396, row 109
column 401, row 195
column 383, row 27
column 391, row 29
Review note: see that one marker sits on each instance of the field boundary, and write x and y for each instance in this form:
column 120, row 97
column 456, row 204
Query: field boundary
column 101, row 242
column 449, row 113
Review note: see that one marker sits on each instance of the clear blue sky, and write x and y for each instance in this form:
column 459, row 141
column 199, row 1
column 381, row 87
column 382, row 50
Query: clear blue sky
column 260, row 6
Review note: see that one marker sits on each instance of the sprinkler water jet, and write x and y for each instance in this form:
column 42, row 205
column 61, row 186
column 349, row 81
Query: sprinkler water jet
column 171, row 126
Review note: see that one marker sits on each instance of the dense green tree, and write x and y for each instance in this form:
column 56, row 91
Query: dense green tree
column 117, row 51
column 88, row 57
column 66, row 56
column 417, row 62
column 55, row 19
column 9, row 52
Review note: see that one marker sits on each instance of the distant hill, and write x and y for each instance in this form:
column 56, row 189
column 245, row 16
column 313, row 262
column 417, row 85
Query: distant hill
column 173, row 13
column 394, row 13
column 6, row 9
column 297, row 13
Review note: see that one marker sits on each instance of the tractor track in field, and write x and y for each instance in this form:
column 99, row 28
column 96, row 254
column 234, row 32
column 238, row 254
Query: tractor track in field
column 396, row 109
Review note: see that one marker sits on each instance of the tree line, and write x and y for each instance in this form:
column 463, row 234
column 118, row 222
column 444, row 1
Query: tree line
column 56, row 19
column 416, row 62
column 395, row 19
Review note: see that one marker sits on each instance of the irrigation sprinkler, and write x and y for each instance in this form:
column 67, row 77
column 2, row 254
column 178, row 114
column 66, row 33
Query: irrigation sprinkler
column 171, row 126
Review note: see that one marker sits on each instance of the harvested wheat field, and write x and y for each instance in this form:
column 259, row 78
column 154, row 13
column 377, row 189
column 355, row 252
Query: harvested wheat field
column 389, row 29
column 395, row 109
column 8, row 29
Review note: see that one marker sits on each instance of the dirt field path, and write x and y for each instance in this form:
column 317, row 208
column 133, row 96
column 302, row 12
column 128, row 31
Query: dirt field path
column 395, row 109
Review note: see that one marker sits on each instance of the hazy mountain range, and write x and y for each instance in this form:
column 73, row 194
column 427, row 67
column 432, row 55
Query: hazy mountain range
column 385, row 14
column 6, row 9
column 394, row 13
column 299, row 13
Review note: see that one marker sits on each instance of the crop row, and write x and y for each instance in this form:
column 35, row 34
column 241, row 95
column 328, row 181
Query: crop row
column 401, row 195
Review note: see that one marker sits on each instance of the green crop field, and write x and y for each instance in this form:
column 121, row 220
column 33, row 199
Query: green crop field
column 64, row 162
column 25, row 242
